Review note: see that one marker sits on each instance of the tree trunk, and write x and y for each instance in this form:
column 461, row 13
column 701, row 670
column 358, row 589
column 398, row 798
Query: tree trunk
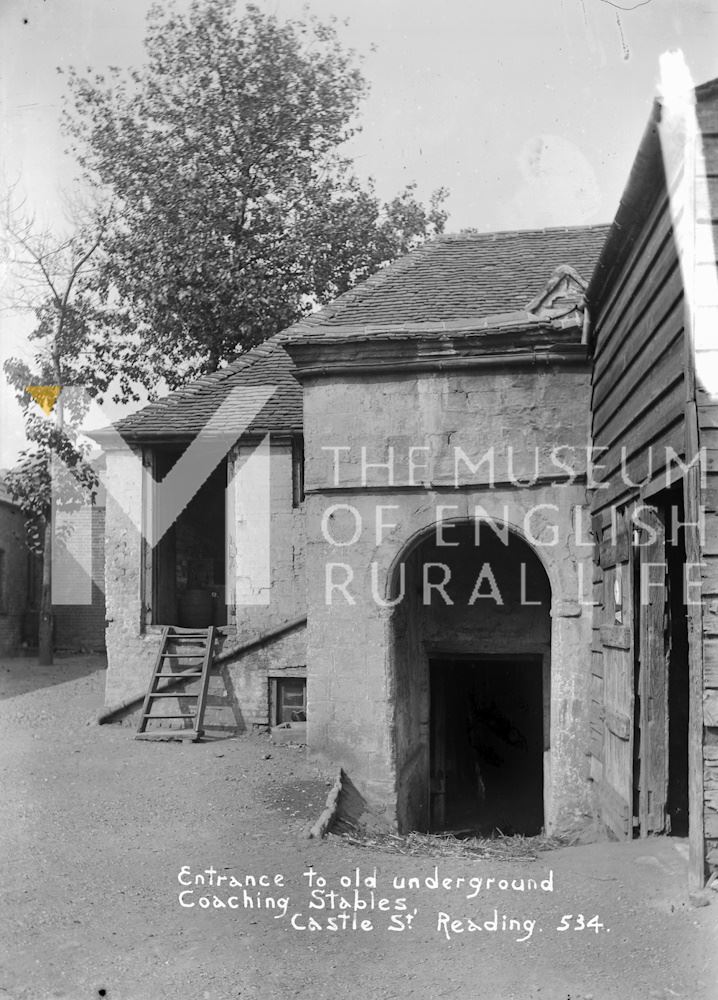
column 45, row 627
column 45, row 642
column 213, row 359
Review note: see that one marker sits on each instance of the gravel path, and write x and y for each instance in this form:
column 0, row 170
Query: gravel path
column 96, row 829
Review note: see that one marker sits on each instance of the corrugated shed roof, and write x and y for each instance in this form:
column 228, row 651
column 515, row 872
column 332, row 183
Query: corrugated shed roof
column 463, row 277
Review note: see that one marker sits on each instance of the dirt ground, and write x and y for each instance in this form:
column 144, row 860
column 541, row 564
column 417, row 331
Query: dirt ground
column 96, row 829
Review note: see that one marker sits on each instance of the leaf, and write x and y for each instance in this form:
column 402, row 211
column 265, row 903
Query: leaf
column 235, row 212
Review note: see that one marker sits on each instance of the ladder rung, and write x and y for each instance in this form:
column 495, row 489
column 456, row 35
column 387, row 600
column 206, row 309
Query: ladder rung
column 202, row 649
column 161, row 718
column 171, row 734
column 171, row 694
column 181, row 676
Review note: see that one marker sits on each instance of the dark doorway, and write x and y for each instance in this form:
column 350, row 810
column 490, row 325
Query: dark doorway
column 661, row 685
column 471, row 586
column 186, row 575
column 678, row 687
column 486, row 745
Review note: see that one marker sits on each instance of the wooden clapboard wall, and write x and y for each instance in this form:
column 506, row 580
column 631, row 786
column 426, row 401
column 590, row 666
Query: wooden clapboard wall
column 655, row 386
column 705, row 320
column 638, row 395
column 638, row 407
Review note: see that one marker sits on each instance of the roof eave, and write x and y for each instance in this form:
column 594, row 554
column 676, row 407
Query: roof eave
column 359, row 333
column 511, row 341
column 644, row 182
column 108, row 439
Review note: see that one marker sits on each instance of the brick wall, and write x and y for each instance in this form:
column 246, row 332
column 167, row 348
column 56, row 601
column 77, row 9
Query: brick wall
column 82, row 626
column 13, row 585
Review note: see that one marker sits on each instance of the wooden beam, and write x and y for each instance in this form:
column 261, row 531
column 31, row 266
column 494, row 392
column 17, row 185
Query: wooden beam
column 710, row 708
column 616, row 636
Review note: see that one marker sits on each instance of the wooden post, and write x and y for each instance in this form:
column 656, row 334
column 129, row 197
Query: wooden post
column 653, row 676
column 692, row 508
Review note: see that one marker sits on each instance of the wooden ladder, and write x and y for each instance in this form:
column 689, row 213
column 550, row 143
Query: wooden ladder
column 171, row 655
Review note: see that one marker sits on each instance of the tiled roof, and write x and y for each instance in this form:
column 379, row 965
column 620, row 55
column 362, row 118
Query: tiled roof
column 185, row 411
column 465, row 277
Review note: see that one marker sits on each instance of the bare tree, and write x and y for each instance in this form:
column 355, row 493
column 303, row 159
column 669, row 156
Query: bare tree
column 49, row 276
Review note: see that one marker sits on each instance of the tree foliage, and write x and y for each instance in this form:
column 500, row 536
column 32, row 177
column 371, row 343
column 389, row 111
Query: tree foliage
column 52, row 276
column 49, row 278
column 37, row 481
column 236, row 213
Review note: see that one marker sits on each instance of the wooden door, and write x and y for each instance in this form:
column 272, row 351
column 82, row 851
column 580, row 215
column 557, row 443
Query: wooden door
column 653, row 673
column 437, row 749
column 616, row 792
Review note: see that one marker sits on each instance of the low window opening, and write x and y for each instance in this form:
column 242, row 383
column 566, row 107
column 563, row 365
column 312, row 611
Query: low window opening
column 290, row 700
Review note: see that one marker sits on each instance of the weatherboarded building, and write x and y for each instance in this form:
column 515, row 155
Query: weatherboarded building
column 463, row 519
column 654, row 304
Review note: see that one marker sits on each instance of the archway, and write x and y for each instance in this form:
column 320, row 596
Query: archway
column 471, row 673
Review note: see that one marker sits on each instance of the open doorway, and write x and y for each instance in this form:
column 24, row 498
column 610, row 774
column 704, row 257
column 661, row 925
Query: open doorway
column 678, row 677
column 661, row 680
column 487, row 745
column 185, row 578
column 471, row 693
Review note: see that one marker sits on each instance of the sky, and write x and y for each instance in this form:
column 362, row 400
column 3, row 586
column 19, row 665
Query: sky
column 530, row 112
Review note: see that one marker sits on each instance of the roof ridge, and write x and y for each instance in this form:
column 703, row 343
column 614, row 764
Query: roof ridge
column 544, row 230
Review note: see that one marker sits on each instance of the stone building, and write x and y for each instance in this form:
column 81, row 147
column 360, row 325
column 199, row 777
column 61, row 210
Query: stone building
column 253, row 492
column 412, row 527
column 440, row 391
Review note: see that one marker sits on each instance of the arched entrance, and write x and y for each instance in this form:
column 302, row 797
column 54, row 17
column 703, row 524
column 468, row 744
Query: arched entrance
column 471, row 681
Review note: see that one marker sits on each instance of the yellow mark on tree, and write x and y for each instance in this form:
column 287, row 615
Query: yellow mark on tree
column 45, row 396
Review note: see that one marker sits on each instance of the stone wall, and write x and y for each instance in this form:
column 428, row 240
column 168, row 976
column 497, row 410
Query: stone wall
column 261, row 507
column 131, row 649
column 248, row 677
column 239, row 687
column 132, row 645
column 354, row 674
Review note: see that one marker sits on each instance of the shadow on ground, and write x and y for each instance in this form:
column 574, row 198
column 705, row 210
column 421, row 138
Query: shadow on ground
column 22, row 674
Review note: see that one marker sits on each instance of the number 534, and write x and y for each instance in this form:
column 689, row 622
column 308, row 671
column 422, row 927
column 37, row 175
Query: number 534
column 577, row 922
